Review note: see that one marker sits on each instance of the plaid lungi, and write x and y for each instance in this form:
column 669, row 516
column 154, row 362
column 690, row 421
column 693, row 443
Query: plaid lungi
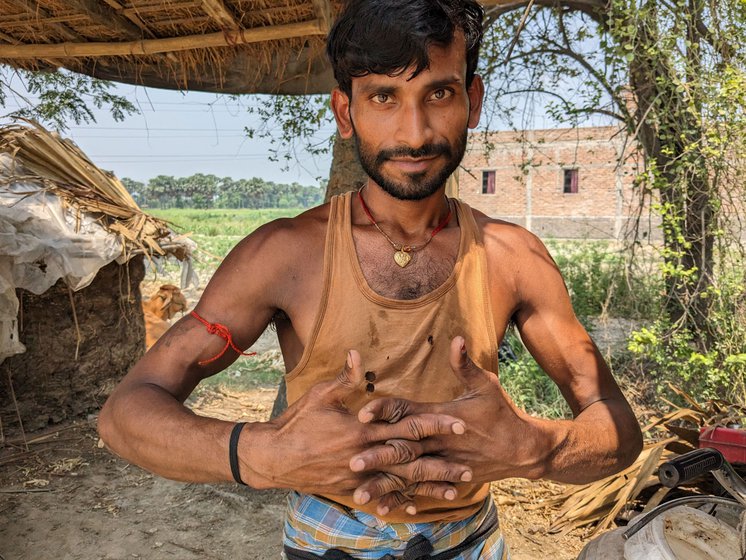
column 315, row 525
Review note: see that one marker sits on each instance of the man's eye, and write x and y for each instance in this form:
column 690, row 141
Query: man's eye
column 440, row 94
column 381, row 98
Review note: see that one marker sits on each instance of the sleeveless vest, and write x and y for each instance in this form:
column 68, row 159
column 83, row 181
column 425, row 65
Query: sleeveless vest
column 404, row 342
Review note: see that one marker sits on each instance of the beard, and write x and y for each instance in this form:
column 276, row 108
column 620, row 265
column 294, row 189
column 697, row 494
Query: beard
column 415, row 186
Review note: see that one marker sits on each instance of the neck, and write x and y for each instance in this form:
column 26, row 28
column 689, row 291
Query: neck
column 411, row 218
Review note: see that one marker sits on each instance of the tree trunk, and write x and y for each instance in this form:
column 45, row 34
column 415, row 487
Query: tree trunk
column 686, row 189
column 346, row 173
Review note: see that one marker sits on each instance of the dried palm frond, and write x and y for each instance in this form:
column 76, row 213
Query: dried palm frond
column 599, row 503
column 57, row 165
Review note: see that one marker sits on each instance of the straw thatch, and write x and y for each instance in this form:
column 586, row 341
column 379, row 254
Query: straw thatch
column 44, row 159
column 74, row 243
column 234, row 46
column 228, row 46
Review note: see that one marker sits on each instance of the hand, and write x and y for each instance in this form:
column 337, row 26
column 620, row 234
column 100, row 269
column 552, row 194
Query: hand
column 308, row 447
column 499, row 441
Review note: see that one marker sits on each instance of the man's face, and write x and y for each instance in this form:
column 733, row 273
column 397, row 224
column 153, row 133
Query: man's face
column 415, row 182
column 411, row 133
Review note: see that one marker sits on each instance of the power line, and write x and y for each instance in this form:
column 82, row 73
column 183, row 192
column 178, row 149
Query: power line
column 154, row 137
column 112, row 157
column 160, row 129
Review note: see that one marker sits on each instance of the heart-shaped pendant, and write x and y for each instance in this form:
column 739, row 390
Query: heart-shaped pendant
column 402, row 258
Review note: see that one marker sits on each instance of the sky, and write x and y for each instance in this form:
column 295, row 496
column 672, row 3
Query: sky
column 182, row 133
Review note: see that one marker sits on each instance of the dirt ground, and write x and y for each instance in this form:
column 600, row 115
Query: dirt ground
column 69, row 498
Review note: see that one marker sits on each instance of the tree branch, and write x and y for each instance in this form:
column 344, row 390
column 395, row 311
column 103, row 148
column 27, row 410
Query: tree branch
column 597, row 9
column 566, row 103
column 600, row 78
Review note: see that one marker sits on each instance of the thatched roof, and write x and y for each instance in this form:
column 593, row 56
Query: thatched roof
column 230, row 46
column 227, row 46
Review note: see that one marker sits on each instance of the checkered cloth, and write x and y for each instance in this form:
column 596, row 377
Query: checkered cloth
column 315, row 525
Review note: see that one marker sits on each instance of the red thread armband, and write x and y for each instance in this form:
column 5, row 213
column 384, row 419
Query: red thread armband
column 223, row 332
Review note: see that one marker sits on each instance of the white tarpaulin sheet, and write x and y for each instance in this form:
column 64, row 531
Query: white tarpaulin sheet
column 41, row 242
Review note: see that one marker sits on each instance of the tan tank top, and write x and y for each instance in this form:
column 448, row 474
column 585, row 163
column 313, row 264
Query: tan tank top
column 404, row 342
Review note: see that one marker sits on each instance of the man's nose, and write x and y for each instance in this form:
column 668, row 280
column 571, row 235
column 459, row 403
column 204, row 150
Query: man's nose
column 414, row 126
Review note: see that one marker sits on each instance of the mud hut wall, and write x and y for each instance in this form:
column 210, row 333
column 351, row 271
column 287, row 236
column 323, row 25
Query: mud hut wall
column 49, row 384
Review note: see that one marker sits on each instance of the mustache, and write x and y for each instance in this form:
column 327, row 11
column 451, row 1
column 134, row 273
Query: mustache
column 426, row 150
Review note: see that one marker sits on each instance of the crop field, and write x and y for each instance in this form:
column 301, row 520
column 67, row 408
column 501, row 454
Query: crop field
column 235, row 222
column 217, row 231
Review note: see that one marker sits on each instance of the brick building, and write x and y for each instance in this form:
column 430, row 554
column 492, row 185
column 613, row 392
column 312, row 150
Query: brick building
column 561, row 183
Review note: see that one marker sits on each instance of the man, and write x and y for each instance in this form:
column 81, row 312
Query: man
column 390, row 303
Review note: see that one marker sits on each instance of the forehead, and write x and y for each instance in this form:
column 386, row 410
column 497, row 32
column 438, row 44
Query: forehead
column 447, row 64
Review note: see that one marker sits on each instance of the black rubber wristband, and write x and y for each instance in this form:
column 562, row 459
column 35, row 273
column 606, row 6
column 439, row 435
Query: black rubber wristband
column 233, row 452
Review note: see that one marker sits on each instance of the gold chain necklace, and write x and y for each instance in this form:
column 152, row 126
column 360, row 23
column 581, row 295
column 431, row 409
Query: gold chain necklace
column 402, row 254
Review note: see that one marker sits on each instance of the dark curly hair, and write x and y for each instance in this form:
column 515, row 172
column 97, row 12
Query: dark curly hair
column 389, row 36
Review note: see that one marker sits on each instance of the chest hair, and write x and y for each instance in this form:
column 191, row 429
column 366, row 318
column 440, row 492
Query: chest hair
column 429, row 268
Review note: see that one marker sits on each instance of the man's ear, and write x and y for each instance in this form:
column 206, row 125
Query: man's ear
column 476, row 94
column 341, row 109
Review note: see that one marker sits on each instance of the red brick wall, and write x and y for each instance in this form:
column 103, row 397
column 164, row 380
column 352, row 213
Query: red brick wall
column 529, row 171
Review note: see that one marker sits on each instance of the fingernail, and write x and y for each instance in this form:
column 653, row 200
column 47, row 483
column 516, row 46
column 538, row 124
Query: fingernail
column 458, row 428
column 357, row 465
column 411, row 510
column 382, row 510
column 349, row 360
column 361, row 498
column 365, row 416
column 466, row 477
column 450, row 494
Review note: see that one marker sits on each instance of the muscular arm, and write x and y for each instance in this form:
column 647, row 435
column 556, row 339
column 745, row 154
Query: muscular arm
column 307, row 448
column 144, row 420
column 604, row 436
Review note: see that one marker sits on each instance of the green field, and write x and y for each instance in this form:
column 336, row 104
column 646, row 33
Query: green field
column 236, row 222
column 216, row 232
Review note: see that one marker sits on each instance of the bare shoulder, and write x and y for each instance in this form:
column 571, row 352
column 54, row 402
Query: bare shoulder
column 274, row 253
column 292, row 235
column 519, row 265
column 508, row 240
column 279, row 243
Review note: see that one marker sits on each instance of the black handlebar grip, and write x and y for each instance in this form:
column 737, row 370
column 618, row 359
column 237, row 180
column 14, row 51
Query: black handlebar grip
column 689, row 466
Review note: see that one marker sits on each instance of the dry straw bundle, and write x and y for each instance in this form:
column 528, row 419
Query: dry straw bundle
column 599, row 503
column 57, row 165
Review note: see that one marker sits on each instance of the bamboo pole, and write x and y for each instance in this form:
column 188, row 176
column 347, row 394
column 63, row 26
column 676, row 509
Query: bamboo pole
column 171, row 44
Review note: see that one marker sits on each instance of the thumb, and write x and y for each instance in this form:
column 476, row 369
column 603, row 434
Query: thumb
column 472, row 376
column 352, row 375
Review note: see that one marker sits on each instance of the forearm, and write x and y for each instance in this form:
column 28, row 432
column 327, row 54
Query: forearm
column 603, row 439
column 147, row 426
